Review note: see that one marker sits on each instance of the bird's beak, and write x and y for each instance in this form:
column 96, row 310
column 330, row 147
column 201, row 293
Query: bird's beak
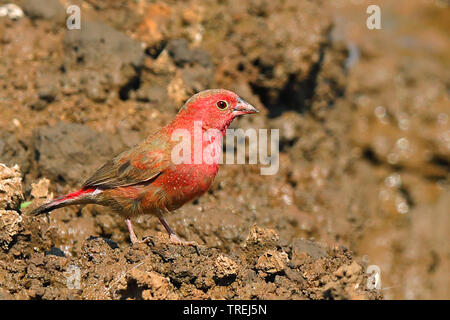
column 243, row 107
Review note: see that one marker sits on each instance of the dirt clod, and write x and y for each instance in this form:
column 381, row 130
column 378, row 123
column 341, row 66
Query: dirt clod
column 10, row 187
column 272, row 262
column 44, row 9
column 9, row 226
column 225, row 267
column 73, row 143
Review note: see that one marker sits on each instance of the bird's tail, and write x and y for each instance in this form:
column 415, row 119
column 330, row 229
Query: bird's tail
column 78, row 197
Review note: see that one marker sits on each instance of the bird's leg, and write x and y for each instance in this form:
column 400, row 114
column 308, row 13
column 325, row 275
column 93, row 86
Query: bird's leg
column 133, row 237
column 173, row 238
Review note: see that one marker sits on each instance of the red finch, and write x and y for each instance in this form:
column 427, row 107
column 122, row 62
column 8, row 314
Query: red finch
column 150, row 178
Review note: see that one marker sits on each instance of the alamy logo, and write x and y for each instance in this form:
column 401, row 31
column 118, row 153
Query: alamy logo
column 73, row 21
column 205, row 147
column 374, row 20
column 374, row 280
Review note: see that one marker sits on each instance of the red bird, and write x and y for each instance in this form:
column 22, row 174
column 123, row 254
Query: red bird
column 146, row 180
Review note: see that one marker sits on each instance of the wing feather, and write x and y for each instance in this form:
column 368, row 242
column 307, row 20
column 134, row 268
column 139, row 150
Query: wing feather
column 138, row 165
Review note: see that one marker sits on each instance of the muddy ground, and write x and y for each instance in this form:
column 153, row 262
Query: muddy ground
column 364, row 149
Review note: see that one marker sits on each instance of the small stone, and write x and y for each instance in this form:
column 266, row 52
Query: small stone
column 348, row 271
column 262, row 236
column 40, row 189
column 45, row 9
column 55, row 252
column 38, row 105
column 153, row 93
column 272, row 262
column 95, row 92
column 225, row 267
column 156, row 286
column 10, row 187
column 302, row 249
column 181, row 54
column 9, row 226
column 47, row 92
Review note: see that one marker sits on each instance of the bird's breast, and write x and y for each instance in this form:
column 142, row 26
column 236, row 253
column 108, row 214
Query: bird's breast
column 183, row 182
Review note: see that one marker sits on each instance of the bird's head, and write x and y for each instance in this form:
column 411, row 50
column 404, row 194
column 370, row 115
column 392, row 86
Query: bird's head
column 216, row 108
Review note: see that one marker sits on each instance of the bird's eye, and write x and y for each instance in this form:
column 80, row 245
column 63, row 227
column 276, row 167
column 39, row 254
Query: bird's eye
column 222, row 105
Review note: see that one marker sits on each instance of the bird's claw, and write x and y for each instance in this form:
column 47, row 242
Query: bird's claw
column 134, row 240
column 174, row 239
column 143, row 240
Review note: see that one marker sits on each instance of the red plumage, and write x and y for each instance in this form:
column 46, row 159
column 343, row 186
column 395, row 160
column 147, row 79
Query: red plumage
column 146, row 180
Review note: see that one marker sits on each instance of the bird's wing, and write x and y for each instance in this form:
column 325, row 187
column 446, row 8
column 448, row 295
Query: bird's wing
column 138, row 165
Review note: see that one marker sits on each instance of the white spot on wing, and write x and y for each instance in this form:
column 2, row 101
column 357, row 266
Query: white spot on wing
column 96, row 192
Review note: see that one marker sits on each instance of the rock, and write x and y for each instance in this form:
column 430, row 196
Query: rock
column 5, row 295
column 179, row 51
column 55, row 252
column 40, row 193
column 39, row 105
column 9, row 226
column 301, row 249
column 47, row 90
column 14, row 150
column 272, row 262
column 10, row 187
column 152, row 93
column 112, row 244
column 261, row 236
column 70, row 152
column 349, row 271
column 40, row 189
column 259, row 241
column 97, row 43
column 95, row 91
column 197, row 78
column 103, row 58
column 181, row 54
column 48, row 93
column 155, row 287
column 348, row 285
column 11, row 11
column 44, row 9
column 225, row 267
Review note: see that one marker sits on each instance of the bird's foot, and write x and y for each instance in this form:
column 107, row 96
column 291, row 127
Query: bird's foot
column 174, row 239
column 134, row 239
column 145, row 240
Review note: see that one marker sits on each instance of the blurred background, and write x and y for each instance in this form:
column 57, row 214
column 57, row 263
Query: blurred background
column 363, row 118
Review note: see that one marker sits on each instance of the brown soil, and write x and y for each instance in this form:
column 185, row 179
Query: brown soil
column 364, row 139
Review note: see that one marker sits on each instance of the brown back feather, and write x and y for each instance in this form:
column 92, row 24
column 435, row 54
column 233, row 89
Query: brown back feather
column 140, row 164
